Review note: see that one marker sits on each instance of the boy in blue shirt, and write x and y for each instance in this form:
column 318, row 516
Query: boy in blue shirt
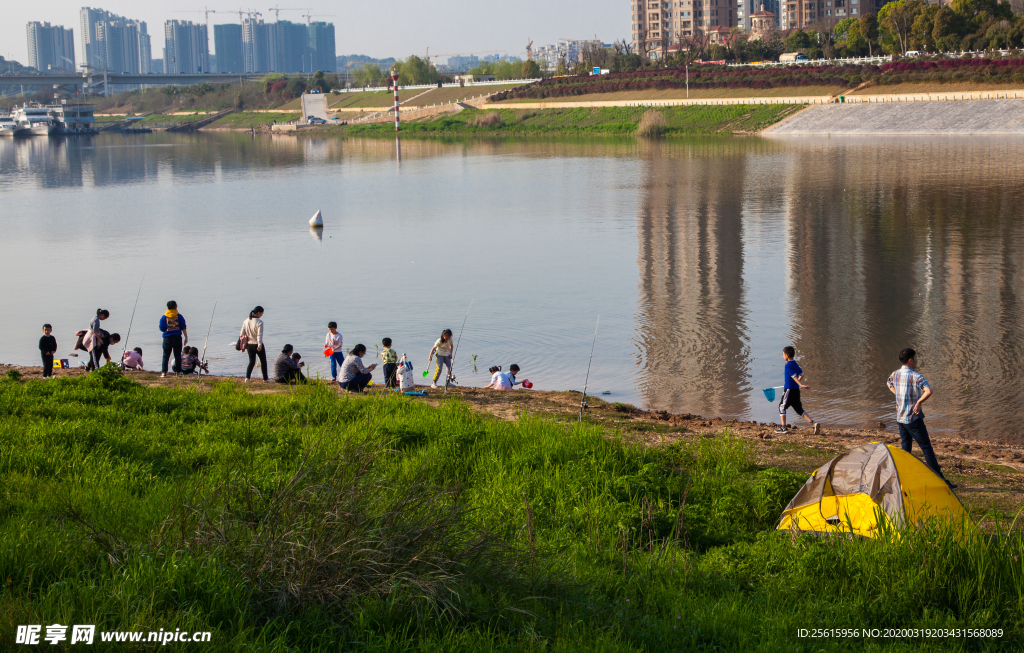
column 791, row 392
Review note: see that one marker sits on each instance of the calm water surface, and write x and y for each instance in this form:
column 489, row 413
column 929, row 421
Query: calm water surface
column 703, row 259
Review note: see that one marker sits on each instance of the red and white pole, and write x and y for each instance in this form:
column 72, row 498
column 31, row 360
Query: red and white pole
column 394, row 82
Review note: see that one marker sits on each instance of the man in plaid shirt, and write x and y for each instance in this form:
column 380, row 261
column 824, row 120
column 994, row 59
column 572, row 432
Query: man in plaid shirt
column 912, row 390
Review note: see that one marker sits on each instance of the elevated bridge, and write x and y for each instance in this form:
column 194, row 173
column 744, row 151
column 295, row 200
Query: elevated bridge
column 91, row 78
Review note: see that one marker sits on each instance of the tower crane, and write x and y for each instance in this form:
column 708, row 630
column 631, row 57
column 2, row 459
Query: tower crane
column 205, row 11
column 242, row 14
column 529, row 50
column 309, row 17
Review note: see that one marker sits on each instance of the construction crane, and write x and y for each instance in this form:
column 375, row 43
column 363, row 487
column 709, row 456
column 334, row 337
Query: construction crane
column 529, row 50
column 242, row 14
column 594, row 40
column 205, row 11
column 309, row 17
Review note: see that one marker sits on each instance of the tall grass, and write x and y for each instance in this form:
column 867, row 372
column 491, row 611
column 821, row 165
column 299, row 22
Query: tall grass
column 652, row 124
column 319, row 523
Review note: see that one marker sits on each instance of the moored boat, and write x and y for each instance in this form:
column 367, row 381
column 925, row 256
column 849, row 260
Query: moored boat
column 73, row 118
column 7, row 125
column 34, row 120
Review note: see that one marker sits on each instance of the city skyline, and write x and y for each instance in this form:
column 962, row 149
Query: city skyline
column 461, row 27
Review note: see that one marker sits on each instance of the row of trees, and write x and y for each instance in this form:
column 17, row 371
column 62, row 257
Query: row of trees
column 414, row 70
column 963, row 25
column 908, row 25
column 503, row 69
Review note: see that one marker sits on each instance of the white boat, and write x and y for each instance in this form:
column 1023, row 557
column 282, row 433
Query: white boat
column 73, row 118
column 35, row 120
column 7, row 125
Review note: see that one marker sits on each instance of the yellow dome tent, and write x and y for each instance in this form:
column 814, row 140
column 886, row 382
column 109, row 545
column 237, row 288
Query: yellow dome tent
column 869, row 488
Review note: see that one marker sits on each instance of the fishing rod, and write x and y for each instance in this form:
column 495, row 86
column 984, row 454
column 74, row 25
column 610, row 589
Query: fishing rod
column 202, row 361
column 583, row 402
column 132, row 321
column 451, row 376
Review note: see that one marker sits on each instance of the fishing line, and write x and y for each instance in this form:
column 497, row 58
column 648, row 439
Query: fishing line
column 202, row 361
column 451, row 376
column 132, row 321
column 583, row 402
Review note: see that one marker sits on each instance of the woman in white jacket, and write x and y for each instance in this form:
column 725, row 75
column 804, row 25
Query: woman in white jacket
column 252, row 334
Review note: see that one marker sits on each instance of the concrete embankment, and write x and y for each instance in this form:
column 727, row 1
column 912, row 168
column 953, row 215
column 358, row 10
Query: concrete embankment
column 983, row 117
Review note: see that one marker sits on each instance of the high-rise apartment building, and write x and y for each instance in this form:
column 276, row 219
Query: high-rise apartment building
column 50, row 49
column 321, row 47
column 659, row 25
column 287, row 47
column 259, row 46
column 90, row 17
column 292, row 48
column 802, row 13
column 115, row 43
column 227, row 42
column 186, row 48
column 124, row 46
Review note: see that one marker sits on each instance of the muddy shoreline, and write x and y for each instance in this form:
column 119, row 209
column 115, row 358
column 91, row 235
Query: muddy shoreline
column 655, row 428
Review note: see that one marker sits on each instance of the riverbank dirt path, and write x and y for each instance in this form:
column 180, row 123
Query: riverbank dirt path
column 990, row 476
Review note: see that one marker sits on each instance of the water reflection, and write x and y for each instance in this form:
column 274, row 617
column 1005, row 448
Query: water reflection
column 885, row 244
column 848, row 249
column 691, row 326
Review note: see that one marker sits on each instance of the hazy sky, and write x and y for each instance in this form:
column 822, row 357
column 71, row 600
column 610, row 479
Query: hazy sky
column 380, row 29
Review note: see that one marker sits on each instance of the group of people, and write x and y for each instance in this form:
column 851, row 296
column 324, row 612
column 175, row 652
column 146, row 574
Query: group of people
column 348, row 370
column 907, row 384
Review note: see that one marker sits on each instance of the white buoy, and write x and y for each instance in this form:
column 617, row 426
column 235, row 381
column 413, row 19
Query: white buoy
column 317, row 220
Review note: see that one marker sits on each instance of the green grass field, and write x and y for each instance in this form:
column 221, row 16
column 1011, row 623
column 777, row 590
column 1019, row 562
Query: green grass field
column 609, row 121
column 245, row 120
column 416, row 96
column 313, row 522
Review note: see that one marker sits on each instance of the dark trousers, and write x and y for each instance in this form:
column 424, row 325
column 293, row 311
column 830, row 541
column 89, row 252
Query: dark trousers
column 390, row 369
column 47, row 364
column 292, row 376
column 253, row 353
column 96, row 356
column 916, row 432
column 172, row 344
column 358, row 383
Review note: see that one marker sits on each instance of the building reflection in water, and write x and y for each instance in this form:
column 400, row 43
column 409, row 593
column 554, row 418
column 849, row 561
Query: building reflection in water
column 883, row 245
column 691, row 323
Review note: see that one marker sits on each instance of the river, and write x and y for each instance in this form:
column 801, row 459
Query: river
column 702, row 257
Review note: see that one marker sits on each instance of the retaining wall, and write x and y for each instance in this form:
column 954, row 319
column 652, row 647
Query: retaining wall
column 892, row 118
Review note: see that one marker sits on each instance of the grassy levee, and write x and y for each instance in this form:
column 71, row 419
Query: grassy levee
column 245, row 120
column 313, row 522
column 597, row 121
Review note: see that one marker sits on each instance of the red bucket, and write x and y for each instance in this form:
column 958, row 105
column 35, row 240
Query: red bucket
column 328, row 352
column 527, row 384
